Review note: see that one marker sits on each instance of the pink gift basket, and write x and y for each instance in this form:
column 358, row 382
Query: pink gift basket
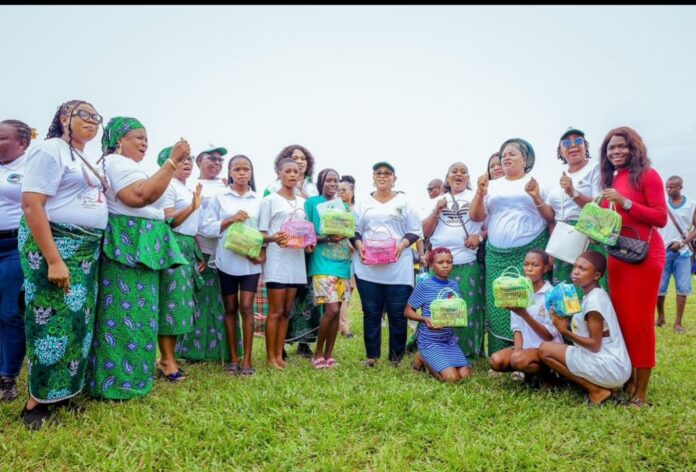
column 380, row 248
column 300, row 231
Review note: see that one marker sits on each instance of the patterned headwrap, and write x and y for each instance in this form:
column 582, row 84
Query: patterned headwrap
column 118, row 127
column 164, row 155
column 525, row 148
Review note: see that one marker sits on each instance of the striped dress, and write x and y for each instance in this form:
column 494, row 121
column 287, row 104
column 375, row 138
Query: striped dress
column 438, row 347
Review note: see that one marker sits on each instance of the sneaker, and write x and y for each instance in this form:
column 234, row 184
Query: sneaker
column 8, row 387
column 35, row 418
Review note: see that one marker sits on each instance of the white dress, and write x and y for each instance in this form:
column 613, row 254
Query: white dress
column 611, row 366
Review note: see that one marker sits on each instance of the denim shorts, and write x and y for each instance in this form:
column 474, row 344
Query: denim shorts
column 680, row 266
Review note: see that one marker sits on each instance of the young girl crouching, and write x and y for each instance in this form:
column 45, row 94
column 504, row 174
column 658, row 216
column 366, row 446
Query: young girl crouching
column 530, row 326
column 598, row 361
column 438, row 348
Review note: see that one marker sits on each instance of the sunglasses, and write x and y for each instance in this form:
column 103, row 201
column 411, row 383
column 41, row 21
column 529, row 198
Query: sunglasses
column 566, row 143
column 87, row 116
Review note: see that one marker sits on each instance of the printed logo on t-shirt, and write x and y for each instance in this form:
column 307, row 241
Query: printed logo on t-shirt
column 15, row 179
column 91, row 198
column 454, row 217
column 336, row 251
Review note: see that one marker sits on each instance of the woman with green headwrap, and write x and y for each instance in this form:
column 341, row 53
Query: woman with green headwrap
column 183, row 207
column 138, row 246
column 517, row 222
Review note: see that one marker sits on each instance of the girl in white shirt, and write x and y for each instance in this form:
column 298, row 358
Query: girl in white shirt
column 239, row 275
column 284, row 269
column 530, row 326
column 598, row 361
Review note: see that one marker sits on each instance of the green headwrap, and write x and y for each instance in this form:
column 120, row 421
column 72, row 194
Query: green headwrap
column 164, row 155
column 118, row 127
column 525, row 148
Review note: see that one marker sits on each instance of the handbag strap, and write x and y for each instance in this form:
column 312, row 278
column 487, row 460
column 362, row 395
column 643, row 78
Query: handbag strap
column 445, row 291
column 638, row 234
column 674, row 220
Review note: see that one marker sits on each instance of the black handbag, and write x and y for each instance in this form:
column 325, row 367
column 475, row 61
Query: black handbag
column 631, row 250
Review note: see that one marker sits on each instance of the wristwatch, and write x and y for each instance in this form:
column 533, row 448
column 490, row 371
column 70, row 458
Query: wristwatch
column 627, row 204
column 576, row 194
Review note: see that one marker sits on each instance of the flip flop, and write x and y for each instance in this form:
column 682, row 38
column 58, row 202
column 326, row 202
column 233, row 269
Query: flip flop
column 247, row 371
column 319, row 363
column 175, row 377
column 232, row 368
column 331, row 363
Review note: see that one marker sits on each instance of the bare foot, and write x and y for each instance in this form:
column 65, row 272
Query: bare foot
column 679, row 329
column 417, row 363
column 597, row 397
column 281, row 362
column 274, row 365
column 660, row 322
column 637, row 403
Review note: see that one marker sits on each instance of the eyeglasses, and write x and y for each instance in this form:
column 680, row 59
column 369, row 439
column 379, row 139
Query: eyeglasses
column 384, row 174
column 214, row 159
column 566, row 143
column 190, row 158
column 87, row 116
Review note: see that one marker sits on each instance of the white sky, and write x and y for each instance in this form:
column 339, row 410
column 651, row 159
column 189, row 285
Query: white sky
column 419, row 86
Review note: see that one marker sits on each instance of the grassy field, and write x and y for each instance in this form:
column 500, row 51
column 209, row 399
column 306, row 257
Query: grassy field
column 353, row 418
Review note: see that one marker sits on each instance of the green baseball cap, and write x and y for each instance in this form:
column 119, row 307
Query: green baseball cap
column 383, row 164
column 213, row 149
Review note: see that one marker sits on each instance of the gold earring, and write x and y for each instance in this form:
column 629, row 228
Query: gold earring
column 118, row 149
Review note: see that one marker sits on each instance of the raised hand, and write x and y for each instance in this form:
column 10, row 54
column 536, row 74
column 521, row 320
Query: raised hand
column 532, row 189
column 482, row 185
column 180, row 151
column 197, row 198
column 567, row 184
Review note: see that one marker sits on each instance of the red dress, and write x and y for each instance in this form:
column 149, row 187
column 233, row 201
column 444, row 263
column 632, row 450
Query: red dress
column 633, row 287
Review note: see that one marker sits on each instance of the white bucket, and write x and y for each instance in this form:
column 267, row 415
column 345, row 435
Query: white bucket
column 566, row 243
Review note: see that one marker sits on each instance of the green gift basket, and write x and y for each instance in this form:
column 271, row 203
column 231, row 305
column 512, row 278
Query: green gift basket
column 512, row 289
column 243, row 240
column 336, row 222
column 601, row 224
column 450, row 311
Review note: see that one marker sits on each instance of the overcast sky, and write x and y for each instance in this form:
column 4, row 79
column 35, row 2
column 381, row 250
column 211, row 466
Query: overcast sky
column 419, row 86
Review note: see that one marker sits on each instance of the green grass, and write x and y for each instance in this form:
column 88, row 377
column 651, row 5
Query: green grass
column 353, row 418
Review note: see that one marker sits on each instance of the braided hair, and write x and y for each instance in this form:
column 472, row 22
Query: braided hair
column 55, row 130
column 24, row 132
column 321, row 179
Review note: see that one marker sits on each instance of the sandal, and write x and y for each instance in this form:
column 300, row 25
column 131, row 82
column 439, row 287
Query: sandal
column 232, row 368
column 247, row 371
column 319, row 363
column 331, row 363
column 175, row 377
column 637, row 403
column 370, row 363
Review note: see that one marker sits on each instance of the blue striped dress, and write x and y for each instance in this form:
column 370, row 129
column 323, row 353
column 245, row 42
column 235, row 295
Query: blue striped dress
column 438, row 347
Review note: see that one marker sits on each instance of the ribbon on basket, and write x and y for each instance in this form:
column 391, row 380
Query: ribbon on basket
column 512, row 289
column 450, row 311
column 300, row 232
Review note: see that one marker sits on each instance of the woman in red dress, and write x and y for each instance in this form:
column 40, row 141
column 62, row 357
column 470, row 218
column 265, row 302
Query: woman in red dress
column 629, row 181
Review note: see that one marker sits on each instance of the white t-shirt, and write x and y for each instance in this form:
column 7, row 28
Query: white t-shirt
column 283, row 265
column 122, row 172
column 513, row 219
column 209, row 189
column 74, row 193
column 179, row 196
column 220, row 208
column 537, row 310
column 398, row 217
column 611, row 366
column 585, row 181
column 449, row 232
column 684, row 214
column 11, row 177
